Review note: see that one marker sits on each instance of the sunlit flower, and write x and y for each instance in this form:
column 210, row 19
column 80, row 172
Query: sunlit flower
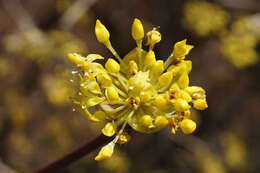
column 137, row 90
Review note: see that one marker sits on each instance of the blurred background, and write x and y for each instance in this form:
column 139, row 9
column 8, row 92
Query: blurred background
column 38, row 122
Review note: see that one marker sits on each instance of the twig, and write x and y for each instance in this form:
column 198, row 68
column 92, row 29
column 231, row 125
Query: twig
column 16, row 10
column 5, row 168
column 74, row 155
column 75, row 12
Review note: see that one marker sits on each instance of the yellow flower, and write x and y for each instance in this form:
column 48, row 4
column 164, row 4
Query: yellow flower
column 112, row 66
column 124, row 138
column 138, row 90
column 153, row 37
column 204, row 18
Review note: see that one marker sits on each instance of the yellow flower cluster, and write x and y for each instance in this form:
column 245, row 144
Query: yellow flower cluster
column 204, row 18
column 239, row 44
column 137, row 90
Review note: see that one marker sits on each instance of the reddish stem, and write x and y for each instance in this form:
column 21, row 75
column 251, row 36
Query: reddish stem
column 74, row 155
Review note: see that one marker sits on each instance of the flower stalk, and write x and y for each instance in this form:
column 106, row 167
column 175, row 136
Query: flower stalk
column 75, row 155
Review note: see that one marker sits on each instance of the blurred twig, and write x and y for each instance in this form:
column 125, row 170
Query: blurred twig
column 75, row 12
column 19, row 14
column 24, row 21
column 74, row 155
column 240, row 4
column 5, row 169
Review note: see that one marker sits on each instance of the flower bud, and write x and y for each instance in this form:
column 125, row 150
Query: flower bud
column 101, row 31
column 185, row 95
column 112, row 66
column 111, row 94
column 187, row 126
column 196, row 92
column 165, row 79
column 183, row 81
column 137, row 30
column 158, row 67
column 181, row 49
column 150, row 58
column 160, row 101
column 160, row 121
column 200, row 104
column 132, row 67
column 181, row 105
column 76, row 59
column 145, row 96
column 105, row 152
column 146, row 121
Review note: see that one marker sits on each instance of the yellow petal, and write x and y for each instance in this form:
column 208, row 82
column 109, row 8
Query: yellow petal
column 92, row 86
column 109, row 129
column 104, row 79
column 196, row 92
column 97, row 117
column 93, row 57
column 111, row 95
column 153, row 37
column 94, row 101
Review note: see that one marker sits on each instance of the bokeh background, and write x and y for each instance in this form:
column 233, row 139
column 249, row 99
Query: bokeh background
column 38, row 122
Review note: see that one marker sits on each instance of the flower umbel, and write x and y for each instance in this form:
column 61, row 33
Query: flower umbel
column 137, row 90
